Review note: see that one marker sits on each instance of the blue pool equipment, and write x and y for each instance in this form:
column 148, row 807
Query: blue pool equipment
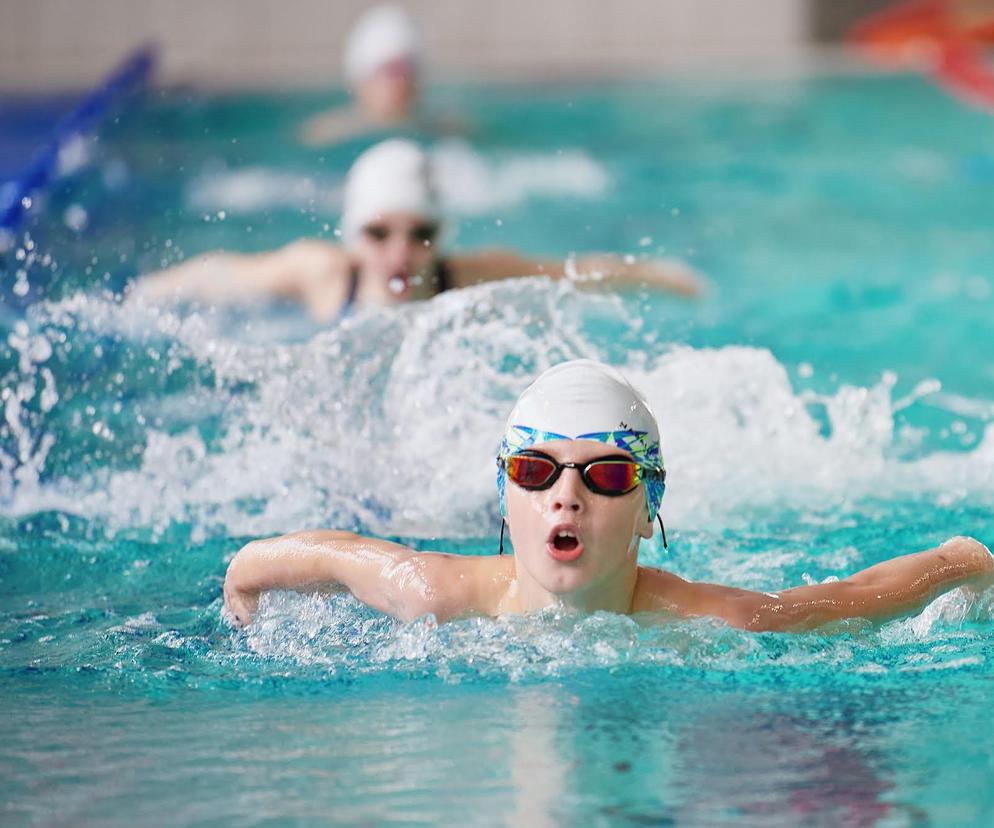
column 128, row 79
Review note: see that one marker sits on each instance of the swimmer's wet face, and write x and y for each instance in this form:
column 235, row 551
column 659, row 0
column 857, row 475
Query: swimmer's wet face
column 389, row 93
column 570, row 541
column 395, row 253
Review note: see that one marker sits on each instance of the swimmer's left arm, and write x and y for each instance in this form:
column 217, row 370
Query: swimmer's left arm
column 660, row 274
column 664, row 274
column 890, row 589
column 333, row 126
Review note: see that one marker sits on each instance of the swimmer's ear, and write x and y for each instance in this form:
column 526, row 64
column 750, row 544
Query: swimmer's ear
column 646, row 530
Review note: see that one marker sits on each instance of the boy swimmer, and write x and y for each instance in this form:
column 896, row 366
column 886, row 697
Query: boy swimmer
column 390, row 226
column 580, row 478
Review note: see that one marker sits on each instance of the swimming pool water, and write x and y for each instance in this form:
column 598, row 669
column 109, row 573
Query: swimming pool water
column 827, row 405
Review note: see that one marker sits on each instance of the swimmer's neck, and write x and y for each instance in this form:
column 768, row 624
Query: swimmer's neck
column 613, row 594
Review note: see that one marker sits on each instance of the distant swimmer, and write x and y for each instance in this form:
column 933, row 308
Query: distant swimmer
column 390, row 252
column 382, row 65
column 580, row 479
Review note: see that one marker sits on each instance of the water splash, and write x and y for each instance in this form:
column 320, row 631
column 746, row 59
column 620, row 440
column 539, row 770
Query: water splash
column 339, row 635
column 388, row 422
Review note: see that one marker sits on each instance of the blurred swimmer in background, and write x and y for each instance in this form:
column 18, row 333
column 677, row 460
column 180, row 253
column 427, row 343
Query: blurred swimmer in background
column 390, row 228
column 382, row 64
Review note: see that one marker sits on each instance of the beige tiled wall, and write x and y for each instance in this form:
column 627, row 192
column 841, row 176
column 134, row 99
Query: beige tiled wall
column 71, row 43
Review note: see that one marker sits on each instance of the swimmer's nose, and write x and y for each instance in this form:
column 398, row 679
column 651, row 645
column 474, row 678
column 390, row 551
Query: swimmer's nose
column 401, row 251
column 567, row 492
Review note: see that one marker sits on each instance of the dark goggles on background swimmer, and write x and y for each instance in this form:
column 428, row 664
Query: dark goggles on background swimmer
column 610, row 476
column 422, row 233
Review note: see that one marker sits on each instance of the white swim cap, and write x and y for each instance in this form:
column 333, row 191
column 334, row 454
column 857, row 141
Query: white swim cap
column 392, row 177
column 585, row 400
column 383, row 34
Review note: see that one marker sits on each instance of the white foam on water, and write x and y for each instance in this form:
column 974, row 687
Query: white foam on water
column 471, row 184
column 389, row 422
column 340, row 635
column 468, row 182
column 254, row 189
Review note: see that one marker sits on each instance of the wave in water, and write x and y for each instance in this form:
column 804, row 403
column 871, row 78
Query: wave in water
column 388, row 423
column 469, row 183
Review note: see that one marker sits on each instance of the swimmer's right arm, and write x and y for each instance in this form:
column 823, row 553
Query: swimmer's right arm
column 389, row 577
column 309, row 270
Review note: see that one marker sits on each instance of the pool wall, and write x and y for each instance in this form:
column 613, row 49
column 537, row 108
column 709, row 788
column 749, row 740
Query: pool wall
column 252, row 43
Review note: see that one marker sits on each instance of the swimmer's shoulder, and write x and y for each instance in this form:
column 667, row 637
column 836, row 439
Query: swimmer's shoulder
column 319, row 272
column 657, row 590
column 469, row 584
column 316, row 252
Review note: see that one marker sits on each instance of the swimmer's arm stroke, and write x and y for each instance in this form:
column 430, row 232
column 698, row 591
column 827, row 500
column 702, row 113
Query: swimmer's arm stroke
column 661, row 274
column 311, row 270
column 334, row 126
column 897, row 587
column 387, row 576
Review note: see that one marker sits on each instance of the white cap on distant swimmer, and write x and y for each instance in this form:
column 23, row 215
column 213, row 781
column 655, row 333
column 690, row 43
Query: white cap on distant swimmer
column 383, row 34
column 392, row 177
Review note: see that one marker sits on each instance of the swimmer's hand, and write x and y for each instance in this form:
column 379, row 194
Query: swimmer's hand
column 239, row 604
column 984, row 580
column 249, row 574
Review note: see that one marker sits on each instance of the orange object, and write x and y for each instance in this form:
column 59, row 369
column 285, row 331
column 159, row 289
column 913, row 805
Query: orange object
column 945, row 39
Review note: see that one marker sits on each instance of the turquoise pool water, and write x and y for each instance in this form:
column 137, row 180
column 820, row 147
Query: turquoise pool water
column 827, row 405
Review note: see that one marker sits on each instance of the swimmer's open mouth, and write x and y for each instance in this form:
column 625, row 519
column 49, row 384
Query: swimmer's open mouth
column 399, row 283
column 564, row 543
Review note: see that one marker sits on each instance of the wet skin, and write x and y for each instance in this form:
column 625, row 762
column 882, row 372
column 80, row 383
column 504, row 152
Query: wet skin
column 599, row 569
column 398, row 267
column 388, row 95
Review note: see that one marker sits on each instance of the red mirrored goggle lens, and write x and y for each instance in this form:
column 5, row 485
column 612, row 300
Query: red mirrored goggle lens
column 529, row 472
column 612, row 476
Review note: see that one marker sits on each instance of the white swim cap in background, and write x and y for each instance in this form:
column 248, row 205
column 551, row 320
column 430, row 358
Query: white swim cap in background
column 585, row 400
column 383, row 34
column 392, row 177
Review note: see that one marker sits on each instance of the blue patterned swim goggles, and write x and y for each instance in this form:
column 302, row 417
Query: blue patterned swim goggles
column 610, row 476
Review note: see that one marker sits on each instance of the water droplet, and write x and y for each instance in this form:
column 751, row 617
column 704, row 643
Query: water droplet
column 75, row 218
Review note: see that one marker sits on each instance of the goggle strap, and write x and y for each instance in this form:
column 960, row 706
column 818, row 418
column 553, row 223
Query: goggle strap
column 500, row 549
column 662, row 529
